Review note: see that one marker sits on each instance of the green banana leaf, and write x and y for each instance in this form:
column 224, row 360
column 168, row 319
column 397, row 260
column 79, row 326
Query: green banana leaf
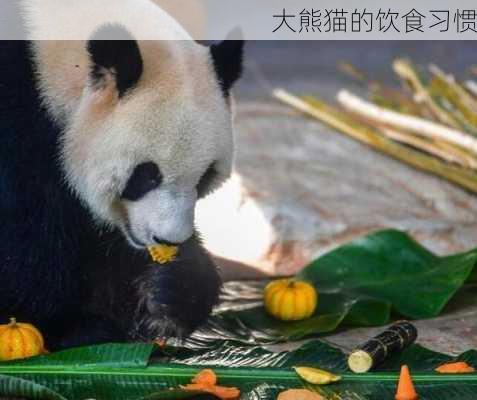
column 260, row 373
column 359, row 284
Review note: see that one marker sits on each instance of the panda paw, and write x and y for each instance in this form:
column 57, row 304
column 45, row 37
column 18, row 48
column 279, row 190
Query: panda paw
column 175, row 299
column 156, row 325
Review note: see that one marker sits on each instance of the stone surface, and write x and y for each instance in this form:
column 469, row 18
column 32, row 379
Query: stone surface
column 302, row 189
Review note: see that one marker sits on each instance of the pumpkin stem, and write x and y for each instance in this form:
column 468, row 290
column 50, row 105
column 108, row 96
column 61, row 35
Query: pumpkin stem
column 13, row 321
column 291, row 284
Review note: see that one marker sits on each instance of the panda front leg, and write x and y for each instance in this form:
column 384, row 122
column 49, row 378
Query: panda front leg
column 83, row 330
column 178, row 297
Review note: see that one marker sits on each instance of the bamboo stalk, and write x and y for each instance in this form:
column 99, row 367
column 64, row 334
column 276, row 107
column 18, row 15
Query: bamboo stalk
column 406, row 122
column 350, row 70
column 365, row 134
column 405, row 70
column 466, row 123
column 439, row 148
column 458, row 152
column 461, row 95
column 454, row 98
column 427, row 146
column 471, row 86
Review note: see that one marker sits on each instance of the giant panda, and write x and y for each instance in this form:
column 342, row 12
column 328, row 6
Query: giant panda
column 106, row 145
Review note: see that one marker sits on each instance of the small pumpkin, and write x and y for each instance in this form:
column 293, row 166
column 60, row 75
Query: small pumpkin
column 20, row 340
column 290, row 299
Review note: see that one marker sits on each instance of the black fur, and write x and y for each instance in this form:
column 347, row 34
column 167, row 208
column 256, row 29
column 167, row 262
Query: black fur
column 206, row 180
column 145, row 177
column 228, row 62
column 112, row 48
column 79, row 284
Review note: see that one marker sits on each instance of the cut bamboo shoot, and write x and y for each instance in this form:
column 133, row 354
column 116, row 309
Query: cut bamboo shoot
column 405, row 122
column 368, row 135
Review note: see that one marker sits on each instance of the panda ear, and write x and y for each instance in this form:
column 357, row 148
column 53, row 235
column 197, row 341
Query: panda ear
column 228, row 57
column 114, row 52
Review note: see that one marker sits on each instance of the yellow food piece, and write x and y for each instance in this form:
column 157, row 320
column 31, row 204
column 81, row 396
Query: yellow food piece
column 163, row 253
column 20, row 340
column 290, row 300
column 299, row 394
column 316, row 376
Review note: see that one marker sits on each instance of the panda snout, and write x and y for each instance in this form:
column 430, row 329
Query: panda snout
column 162, row 216
column 158, row 240
column 171, row 234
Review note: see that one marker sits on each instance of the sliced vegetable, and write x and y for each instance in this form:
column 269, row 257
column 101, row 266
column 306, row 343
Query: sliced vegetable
column 316, row 376
column 405, row 389
column 375, row 351
column 205, row 377
column 460, row 367
column 299, row 394
column 206, row 381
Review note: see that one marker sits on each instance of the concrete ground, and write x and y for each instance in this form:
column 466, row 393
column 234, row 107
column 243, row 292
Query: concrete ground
column 345, row 188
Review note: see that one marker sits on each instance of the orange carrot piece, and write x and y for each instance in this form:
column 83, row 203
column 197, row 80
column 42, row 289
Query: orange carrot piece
column 226, row 393
column 405, row 390
column 206, row 381
column 194, row 387
column 460, row 367
column 222, row 392
column 206, row 377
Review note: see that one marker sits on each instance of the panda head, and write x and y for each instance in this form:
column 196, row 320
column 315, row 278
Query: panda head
column 152, row 132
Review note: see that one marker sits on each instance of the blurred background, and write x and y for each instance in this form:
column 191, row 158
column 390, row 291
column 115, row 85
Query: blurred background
column 300, row 187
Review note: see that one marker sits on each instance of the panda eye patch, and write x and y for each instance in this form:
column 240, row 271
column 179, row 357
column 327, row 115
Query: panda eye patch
column 206, row 180
column 145, row 178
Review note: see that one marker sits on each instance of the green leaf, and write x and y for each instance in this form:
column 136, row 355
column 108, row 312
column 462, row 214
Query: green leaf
column 115, row 355
column 88, row 372
column 260, row 373
column 359, row 284
column 392, row 267
column 17, row 387
column 275, row 375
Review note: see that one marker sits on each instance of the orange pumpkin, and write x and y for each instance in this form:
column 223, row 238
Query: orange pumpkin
column 20, row 340
column 290, row 300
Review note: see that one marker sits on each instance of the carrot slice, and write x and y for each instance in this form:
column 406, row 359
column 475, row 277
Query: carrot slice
column 226, row 393
column 459, row 367
column 206, row 377
column 206, row 381
column 222, row 392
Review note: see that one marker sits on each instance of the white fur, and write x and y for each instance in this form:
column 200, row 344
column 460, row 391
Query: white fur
column 75, row 20
column 175, row 117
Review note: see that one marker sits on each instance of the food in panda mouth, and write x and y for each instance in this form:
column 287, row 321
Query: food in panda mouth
column 162, row 253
